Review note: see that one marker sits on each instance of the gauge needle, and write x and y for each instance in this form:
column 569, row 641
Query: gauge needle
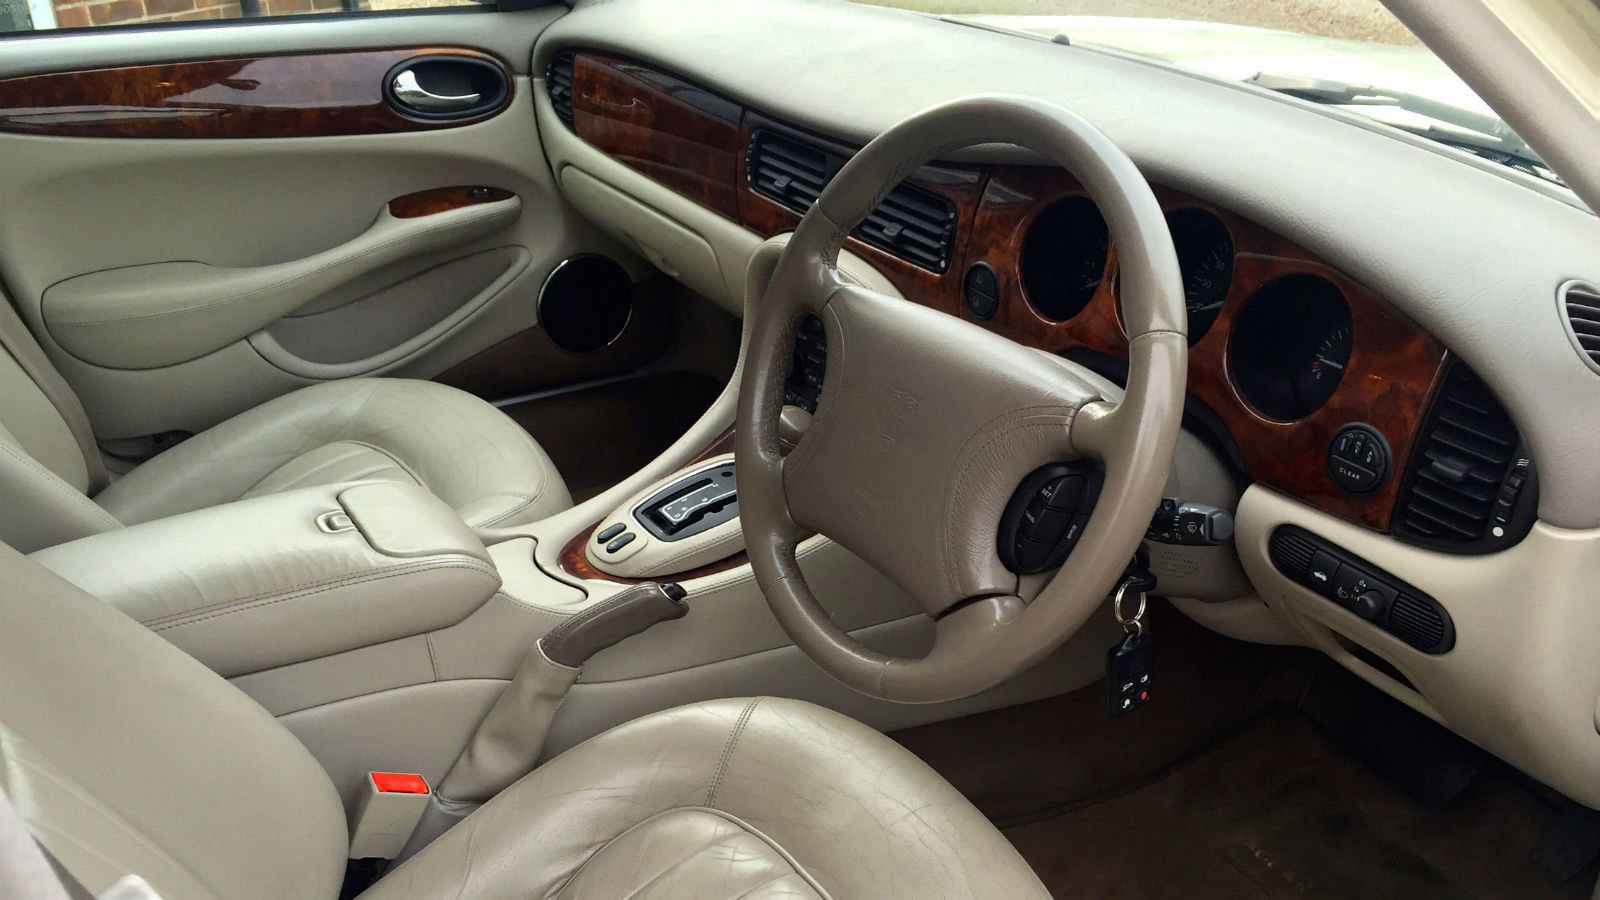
column 1326, row 361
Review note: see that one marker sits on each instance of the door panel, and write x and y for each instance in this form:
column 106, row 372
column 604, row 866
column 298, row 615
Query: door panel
column 283, row 228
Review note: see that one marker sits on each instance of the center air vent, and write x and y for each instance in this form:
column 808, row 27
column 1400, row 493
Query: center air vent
column 1580, row 304
column 1471, row 487
column 559, row 83
column 913, row 224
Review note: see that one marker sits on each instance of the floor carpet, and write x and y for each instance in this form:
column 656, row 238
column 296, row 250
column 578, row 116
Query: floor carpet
column 601, row 435
column 1278, row 812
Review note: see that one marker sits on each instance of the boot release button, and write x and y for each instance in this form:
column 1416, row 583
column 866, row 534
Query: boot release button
column 608, row 533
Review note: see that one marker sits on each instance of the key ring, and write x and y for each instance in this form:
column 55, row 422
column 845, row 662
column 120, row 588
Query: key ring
column 1135, row 624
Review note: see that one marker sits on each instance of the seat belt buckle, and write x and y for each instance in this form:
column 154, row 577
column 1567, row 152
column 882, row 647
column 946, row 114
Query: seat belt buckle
column 387, row 814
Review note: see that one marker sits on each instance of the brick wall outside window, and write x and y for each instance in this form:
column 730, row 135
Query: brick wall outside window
column 80, row 13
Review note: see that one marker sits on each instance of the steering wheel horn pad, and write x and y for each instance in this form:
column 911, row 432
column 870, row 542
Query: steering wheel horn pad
column 927, row 423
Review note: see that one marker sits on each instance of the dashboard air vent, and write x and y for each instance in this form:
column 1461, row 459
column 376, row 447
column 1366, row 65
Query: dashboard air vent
column 559, row 82
column 788, row 171
column 1470, row 485
column 916, row 225
column 1580, row 304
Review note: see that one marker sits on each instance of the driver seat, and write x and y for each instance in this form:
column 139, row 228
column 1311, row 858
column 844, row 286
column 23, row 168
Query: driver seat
column 124, row 755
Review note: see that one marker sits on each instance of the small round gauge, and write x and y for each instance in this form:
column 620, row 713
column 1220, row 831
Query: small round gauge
column 1064, row 258
column 1289, row 346
column 1325, row 369
column 1205, row 258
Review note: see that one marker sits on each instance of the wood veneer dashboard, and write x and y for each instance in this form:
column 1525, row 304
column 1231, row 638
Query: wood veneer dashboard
column 694, row 141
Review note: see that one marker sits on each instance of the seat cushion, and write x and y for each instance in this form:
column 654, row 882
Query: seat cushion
column 465, row 451
column 755, row 798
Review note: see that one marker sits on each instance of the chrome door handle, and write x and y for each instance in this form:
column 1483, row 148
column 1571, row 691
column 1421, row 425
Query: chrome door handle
column 409, row 92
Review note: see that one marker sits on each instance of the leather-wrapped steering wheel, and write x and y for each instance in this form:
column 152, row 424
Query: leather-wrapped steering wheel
column 926, row 424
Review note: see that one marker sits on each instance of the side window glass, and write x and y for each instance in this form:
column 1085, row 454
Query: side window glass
column 44, row 15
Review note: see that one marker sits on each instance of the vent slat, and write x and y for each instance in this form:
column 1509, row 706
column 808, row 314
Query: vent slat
column 1581, row 302
column 1461, row 459
column 1465, row 444
column 911, row 223
column 559, row 83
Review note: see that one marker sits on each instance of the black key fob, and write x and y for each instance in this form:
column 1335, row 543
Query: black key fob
column 1128, row 674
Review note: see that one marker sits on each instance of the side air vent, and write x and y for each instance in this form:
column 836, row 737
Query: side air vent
column 1471, row 487
column 1580, row 304
column 916, row 225
column 559, row 82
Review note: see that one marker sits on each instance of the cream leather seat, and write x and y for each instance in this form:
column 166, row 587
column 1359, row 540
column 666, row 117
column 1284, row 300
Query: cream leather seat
column 465, row 451
column 124, row 755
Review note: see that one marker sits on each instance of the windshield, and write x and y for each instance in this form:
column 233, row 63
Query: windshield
column 1353, row 54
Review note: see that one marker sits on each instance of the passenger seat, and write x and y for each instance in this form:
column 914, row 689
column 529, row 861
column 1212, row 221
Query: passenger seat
column 54, row 487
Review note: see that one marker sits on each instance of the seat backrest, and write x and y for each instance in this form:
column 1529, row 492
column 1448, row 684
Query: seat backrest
column 125, row 755
column 48, row 461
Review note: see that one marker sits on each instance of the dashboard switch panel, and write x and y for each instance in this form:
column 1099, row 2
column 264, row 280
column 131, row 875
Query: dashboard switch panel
column 804, row 384
column 1046, row 516
column 1362, row 588
column 1359, row 459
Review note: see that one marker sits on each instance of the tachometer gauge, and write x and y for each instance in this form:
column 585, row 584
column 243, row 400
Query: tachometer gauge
column 1205, row 258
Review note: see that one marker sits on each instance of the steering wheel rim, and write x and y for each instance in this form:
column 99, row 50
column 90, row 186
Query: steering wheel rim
column 1001, row 411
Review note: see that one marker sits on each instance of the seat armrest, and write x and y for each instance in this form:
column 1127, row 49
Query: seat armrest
column 288, row 577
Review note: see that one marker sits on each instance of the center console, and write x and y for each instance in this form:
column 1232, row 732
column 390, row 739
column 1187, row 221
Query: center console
column 289, row 577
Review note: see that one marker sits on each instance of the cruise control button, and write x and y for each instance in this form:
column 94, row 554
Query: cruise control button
column 1033, row 554
column 609, row 532
column 620, row 542
column 1051, row 527
column 1063, row 492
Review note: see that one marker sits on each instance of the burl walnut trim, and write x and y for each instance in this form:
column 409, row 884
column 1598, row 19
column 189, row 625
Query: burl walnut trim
column 683, row 137
column 292, row 95
column 574, row 561
column 680, row 135
column 1393, row 366
column 438, row 200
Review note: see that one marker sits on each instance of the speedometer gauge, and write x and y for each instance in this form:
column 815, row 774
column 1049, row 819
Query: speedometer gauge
column 1205, row 259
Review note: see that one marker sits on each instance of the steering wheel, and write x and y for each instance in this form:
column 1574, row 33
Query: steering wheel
column 927, row 424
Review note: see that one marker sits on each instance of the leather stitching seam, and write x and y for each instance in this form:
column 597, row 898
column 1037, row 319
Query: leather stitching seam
column 727, row 752
column 33, row 464
column 252, row 606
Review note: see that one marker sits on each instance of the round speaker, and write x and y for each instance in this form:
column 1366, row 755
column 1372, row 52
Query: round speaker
column 585, row 303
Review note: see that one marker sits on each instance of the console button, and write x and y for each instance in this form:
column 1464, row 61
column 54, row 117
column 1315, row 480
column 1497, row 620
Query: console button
column 620, row 542
column 1351, row 583
column 1358, row 458
column 1322, row 572
column 609, row 532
